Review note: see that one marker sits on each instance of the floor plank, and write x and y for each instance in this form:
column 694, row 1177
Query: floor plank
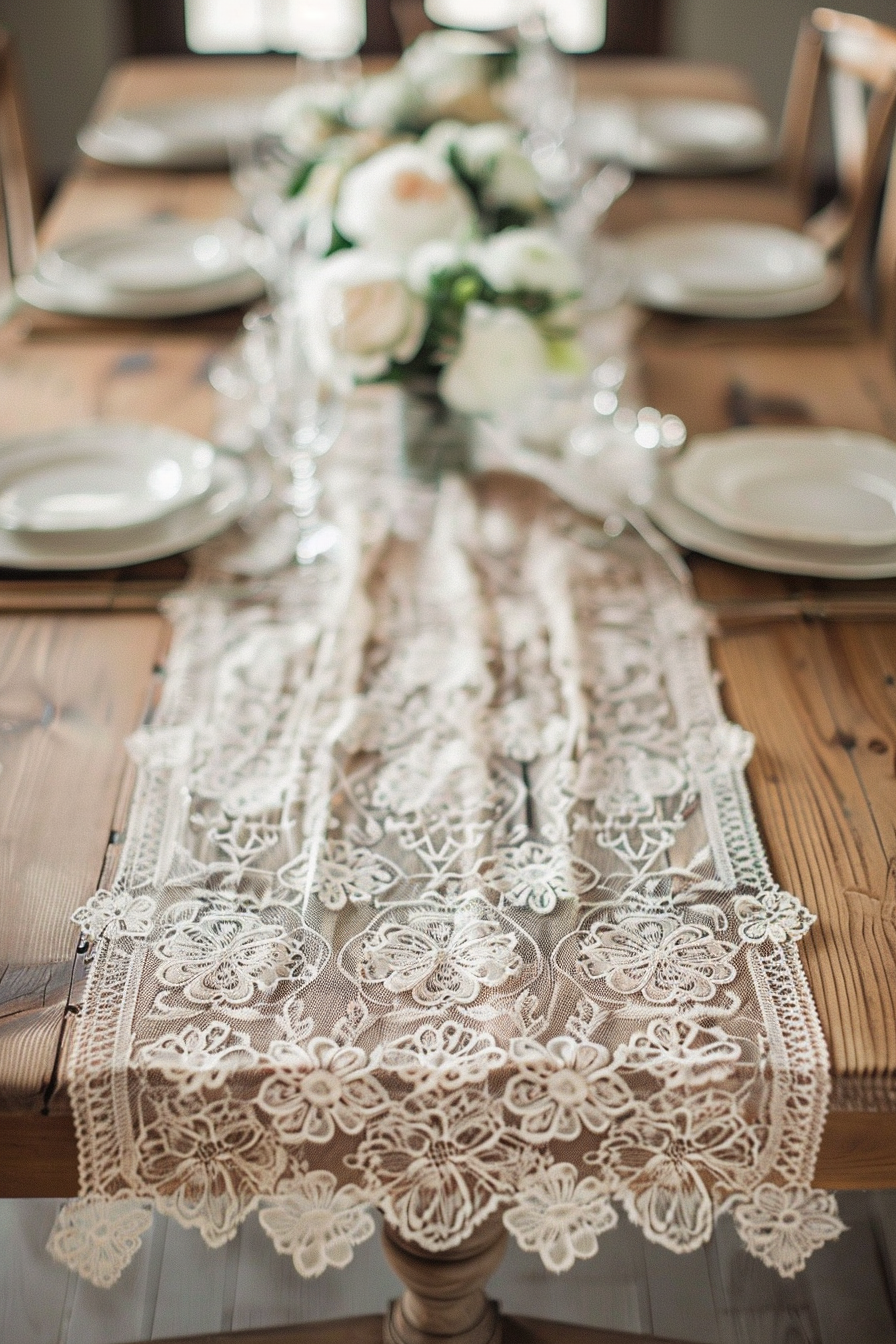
column 119, row 1315
column 192, row 1286
column 32, row 1286
column 848, row 1281
column 610, row 1292
column 270, row 1292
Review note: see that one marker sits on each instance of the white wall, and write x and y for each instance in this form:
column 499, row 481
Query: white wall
column 756, row 34
column 65, row 48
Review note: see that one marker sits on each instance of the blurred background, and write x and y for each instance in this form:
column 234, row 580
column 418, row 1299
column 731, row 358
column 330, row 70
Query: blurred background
column 66, row 46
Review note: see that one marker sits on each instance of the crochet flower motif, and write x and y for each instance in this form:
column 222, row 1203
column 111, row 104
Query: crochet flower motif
column 439, row 1164
column 439, row 957
column 318, row 1225
column 116, row 914
column 561, row 1218
column 199, row 1057
column 446, row 1056
column 660, row 1160
column 561, row 1086
column 657, row 956
column 319, row 1088
column 340, row 873
column 221, row 958
column 783, row 1226
column 773, row 914
column 625, row 784
column 679, row 1053
column 207, row 1159
column 98, row 1238
column 537, row 876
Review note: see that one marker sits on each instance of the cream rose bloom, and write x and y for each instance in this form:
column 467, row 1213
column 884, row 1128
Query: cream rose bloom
column 529, row 259
column 501, row 357
column 493, row 154
column 400, row 198
column 428, row 260
column 358, row 313
column 304, row 116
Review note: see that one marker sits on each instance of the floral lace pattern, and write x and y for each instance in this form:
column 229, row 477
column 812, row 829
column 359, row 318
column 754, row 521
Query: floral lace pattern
column 441, row 895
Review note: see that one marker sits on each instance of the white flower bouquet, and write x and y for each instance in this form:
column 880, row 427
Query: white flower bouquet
column 466, row 328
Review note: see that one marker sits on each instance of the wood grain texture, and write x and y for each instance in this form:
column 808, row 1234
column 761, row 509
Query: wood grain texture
column 819, row 697
column 71, row 689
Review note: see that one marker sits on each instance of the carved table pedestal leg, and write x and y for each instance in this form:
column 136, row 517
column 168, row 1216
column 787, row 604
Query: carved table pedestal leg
column 443, row 1302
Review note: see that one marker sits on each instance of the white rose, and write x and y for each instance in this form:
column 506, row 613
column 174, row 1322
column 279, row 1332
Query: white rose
column 359, row 313
column 431, row 258
column 479, row 146
column 445, row 65
column 304, row 116
column 400, row 198
column 442, row 137
column 381, row 101
column 492, row 155
column 528, row 259
column 501, row 357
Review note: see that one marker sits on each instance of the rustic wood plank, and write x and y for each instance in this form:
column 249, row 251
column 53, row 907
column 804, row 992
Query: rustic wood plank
column 615, row 1291
column 269, row 1292
column 38, row 1155
column 847, row 1280
column 103, row 1317
column 33, row 1287
column 753, row 1304
column 819, row 698
column 71, row 689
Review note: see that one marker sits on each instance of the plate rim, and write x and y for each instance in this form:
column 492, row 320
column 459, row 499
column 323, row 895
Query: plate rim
column 694, row 532
column 49, row 297
column 712, row 509
column 204, row 529
column 24, row 445
column 99, row 237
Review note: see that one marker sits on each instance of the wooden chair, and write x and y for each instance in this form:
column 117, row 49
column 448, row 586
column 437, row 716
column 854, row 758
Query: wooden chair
column 883, row 276
column 19, row 194
column 856, row 59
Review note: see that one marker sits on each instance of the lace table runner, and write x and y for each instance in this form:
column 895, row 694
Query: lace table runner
column 441, row 894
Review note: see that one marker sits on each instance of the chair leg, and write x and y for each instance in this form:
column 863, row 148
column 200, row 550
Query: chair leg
column 444, row 1302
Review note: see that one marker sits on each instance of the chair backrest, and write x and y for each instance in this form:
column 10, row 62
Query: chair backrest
column 856, row 58
column 19, row 195
column 884, row 266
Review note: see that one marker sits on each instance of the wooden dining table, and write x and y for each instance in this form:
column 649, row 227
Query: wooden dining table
column 806, row 668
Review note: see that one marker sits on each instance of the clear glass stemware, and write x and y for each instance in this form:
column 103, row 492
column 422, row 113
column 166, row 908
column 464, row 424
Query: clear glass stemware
column 304, row 411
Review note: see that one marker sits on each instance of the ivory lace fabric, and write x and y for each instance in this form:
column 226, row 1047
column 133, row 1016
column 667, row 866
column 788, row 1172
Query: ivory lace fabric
column 441, row 894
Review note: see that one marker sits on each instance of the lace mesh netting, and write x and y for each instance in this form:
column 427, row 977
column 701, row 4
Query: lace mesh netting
column 441, row 894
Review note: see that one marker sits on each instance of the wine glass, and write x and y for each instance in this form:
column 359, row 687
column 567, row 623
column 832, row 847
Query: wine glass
column 307, row 410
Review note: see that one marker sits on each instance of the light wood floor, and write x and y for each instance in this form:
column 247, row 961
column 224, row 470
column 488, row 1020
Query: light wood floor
column 718, row 1295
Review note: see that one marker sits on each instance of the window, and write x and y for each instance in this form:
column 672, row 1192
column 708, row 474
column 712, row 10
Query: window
column 320, row 29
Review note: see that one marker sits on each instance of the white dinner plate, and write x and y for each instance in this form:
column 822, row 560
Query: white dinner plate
column 228, row 497
column 681, row 135
column 100, row 476
column 829, row 487
column 725, row 269
column 151, row 258
column 698, row 533
column 91, row 298
column 196, row 134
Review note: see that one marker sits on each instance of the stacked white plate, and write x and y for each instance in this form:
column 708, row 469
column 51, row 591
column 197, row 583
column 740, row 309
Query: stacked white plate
column 161, row 268
column 727, row 269
column 675, row 135
column 197, row 134
column 102, row 495
column 799, row 501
